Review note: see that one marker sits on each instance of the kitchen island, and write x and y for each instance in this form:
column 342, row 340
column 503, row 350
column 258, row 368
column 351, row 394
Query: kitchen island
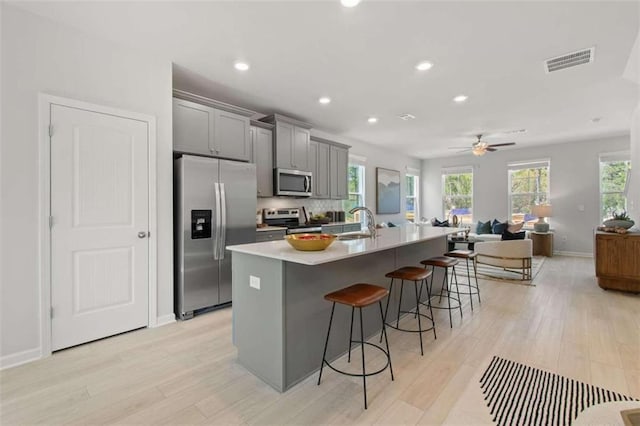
column 280, row 317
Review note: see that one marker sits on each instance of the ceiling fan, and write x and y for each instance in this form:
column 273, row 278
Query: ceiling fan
column 480, row 147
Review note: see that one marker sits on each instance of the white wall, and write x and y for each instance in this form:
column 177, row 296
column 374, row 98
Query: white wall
column 377, row 156
column 41, row 56
column 574, row 183
column 633, row 195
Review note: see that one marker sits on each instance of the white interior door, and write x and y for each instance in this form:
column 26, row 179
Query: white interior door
column 100, row 216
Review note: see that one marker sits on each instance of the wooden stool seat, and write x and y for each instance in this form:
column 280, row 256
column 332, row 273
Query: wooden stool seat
column 463, row 254
column 441, row 261
column 410, row 273
column 358, row 295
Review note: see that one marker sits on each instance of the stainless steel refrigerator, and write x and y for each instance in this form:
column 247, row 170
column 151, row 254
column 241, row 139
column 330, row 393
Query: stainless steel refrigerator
column 214, row 206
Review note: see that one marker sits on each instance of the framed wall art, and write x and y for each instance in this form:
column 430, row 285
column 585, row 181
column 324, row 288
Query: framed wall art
column 387, row 191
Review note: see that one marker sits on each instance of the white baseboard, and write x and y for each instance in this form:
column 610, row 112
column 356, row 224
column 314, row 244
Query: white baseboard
column 164, row 320
column 20, row 358
column 573, row 253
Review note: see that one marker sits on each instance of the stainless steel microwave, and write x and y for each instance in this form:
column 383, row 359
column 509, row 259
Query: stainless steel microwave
column 294, row 183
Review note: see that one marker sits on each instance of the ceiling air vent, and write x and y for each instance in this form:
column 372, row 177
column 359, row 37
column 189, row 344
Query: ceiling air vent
column 406, row 117
column 569, row 60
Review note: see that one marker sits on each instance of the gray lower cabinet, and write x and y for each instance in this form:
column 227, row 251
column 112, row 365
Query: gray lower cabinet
column 262, row 141
column 204, row 130
column 262, row 236
column 339, row 229
column 338, row 168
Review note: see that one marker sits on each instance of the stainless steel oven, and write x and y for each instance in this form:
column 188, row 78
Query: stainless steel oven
column 295, row 183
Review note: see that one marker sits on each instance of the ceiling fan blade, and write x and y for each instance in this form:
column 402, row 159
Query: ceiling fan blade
column 490, row 149
column 502, row 144
column 458, row 147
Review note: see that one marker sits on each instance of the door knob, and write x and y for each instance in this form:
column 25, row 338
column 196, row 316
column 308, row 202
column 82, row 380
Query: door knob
column 142, row 234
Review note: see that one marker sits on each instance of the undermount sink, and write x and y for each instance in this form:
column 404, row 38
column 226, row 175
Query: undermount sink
column 357, row 236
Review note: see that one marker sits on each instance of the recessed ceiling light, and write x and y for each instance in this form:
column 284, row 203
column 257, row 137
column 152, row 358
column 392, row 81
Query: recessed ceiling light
column 372, row 120
column 324, row 100
column 424, row 65
column 596, row 119
column 460, row 98
column 241, row 66
column 349, row 3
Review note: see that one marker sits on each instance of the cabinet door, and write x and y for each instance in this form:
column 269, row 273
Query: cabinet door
column 192, row 127
column 338, row 165
column 322, row 176
column 301, row 149
column 231, row 136
column 284, row 145
column 262, row 140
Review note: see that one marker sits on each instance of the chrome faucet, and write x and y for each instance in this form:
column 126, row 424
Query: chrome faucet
column 371, row 221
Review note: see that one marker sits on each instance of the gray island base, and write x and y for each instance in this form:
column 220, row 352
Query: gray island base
column 280, row 317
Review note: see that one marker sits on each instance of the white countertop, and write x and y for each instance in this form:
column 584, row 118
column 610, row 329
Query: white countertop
column 388, row 238
column 271, row 228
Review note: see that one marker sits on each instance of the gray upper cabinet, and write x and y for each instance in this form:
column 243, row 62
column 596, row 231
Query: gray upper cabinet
column 321, row 176
column 207, row 127
column 292, row 142
column 192, row 127
column 262, row 141
column 338, row 166
column 231, row 136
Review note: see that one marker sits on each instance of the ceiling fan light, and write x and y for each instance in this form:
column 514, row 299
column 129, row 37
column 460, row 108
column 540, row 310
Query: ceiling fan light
column 479, row 150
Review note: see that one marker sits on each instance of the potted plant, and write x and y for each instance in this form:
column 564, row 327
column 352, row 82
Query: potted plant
column 619, row 220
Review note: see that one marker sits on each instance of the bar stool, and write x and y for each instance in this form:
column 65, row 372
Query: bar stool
column 446, row 263
column 468, row 255
column 358, row 296
column 417, row 275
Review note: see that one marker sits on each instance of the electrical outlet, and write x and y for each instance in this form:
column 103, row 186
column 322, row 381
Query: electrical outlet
column 254, row 282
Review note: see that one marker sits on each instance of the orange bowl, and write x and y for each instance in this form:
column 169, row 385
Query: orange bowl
column 310, row 242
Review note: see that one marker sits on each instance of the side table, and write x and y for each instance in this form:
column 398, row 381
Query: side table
column 542, row 243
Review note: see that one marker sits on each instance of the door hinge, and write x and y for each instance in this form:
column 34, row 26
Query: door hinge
column 50, row 222
column 51, row 312
column 50, row 130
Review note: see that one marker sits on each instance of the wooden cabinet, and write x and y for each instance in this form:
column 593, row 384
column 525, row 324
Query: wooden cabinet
column 338, row 170
column 617, row 258
column 292, row 140
column 542, row 243
column 262, row 156
column 202, row 128
column 262, row 236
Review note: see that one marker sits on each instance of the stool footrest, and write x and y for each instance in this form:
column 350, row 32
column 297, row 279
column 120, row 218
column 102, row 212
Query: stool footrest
column 413, row 331
column 337, row 370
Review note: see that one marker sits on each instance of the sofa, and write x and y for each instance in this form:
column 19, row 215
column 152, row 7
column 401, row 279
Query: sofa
column 514, row 255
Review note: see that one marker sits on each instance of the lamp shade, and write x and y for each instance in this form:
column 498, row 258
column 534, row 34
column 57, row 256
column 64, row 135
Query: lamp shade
column 543, row 210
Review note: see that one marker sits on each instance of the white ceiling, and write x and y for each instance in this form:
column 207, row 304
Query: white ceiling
column 364, row 58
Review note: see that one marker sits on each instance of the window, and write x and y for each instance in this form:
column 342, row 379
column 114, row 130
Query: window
column 412, row 200
column 528, row 186
column 614, row 180
column 356, row 190
column 457, row 194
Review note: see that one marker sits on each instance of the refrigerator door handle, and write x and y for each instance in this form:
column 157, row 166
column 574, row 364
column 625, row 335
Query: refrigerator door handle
column 216, row 237
column 223, row 222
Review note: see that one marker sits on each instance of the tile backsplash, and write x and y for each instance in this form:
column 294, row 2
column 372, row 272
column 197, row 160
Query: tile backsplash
column 311, row 205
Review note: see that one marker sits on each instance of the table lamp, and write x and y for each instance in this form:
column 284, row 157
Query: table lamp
column 542, row 211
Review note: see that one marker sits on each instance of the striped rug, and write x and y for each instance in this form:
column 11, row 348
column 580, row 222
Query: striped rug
column 518, row 394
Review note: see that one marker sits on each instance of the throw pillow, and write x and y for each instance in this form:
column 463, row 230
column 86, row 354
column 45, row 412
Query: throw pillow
column 443, row 224
column 498, row 227
column 507, row 236
column 515, row 227
column 483, row 227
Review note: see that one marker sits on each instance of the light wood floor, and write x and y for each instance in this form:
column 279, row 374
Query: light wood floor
column 185, row 373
